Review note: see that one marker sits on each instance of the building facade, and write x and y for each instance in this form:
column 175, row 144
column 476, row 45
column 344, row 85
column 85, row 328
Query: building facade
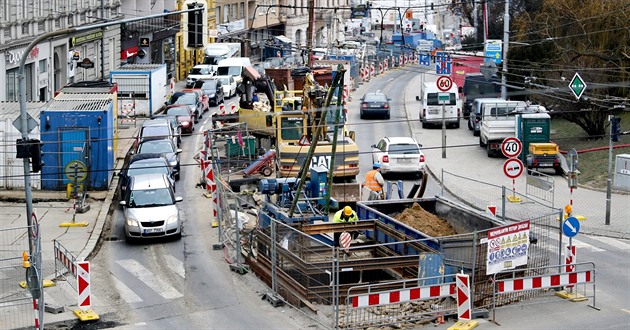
column 55, row 62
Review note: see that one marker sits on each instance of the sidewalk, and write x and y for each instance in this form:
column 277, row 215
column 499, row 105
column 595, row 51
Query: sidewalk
column 469, row 161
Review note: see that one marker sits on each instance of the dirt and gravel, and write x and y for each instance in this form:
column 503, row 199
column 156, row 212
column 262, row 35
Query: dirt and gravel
column 425, row 221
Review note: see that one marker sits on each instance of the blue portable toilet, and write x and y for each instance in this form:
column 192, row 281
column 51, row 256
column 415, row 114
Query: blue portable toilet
column 78, row 127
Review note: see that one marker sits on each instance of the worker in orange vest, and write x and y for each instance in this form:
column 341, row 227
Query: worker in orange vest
column 375, row 182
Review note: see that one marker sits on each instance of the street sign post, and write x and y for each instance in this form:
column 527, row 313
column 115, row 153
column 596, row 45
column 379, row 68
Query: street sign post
column 577, row 86
column 442, row 63
column 75, row 171
column 571, row 227
column 30, row 122
column 444, row 83
column 425, row 59
column 511, row 147
column 513, row 168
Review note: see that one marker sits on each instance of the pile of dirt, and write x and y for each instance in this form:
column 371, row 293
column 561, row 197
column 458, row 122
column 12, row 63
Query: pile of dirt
column 424, row 221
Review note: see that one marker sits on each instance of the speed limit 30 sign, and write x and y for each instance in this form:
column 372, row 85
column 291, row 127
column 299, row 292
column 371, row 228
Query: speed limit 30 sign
column 511, row 147
column 444, row 83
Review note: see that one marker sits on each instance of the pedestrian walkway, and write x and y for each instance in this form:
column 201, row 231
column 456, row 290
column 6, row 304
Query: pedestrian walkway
column 468, row 160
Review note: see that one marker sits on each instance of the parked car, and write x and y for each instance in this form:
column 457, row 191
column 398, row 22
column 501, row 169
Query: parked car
column 375, row 104
column 185, row 117
column 213, row 89
column 156, row 130
column 175, row 126
column 205, row 103
column 166, row 147
column 188, row 99
column 149, row 208
column 474, row 117
column 198, row 72
column 399, row 154
column 229, row 85
column 145, row 164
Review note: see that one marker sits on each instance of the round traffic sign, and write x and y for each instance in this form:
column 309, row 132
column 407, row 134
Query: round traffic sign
column 571, row 227
column 75, row 171
column 511, row 147
column 513, row 168
column 444, row 83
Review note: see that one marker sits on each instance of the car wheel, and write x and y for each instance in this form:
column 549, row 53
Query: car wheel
column 361, row 115
column 558, row 170
column 177, row 176
column 424, row 125
column 470, row 127
column 129, row 240
column 475, row 133
column 489, row 151
column 481, row 144
column 387, row 116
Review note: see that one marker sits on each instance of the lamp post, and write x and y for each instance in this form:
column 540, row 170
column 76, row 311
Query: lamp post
column 506, row 41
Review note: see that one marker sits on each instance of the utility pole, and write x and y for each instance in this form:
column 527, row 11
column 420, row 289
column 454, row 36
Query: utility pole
column 506, row 41
column 475, row 18
column 311, row 23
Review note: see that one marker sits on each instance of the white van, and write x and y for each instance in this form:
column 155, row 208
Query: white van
column 233, row 67
column 431, row 108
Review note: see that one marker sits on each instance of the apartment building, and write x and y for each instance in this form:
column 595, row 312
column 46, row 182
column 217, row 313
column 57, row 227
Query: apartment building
column 52, row 63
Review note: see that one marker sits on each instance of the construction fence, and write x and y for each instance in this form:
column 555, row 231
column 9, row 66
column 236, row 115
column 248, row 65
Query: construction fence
column 343, row 288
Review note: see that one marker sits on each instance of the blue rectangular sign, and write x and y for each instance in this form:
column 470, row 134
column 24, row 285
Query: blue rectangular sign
column 442, row 63
column 493, row 50
column 425, row 60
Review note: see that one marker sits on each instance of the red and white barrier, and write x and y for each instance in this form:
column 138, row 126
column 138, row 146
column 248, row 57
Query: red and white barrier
column 372, row 70
column 36, row 310
column 212, row 187
column 67, row 260
column 400, row 60
column 404, row 295
column 541, row 282
column 569, row 259
column 385, row 64
column 463, row 297
column 380, row 67
column 221, row 109
column 83, row 285
column 233, row 109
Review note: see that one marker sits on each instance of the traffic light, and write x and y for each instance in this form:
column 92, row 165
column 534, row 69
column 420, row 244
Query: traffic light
column 35, row 150
column 196, row 22
column 615, row 129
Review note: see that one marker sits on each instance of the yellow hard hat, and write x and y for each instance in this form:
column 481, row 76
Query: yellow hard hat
column 347, row 210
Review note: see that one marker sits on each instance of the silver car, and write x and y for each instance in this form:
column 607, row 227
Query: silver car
column 149, row 208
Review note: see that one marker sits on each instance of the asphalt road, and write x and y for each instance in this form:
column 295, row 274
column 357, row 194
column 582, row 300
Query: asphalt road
column 182, row 284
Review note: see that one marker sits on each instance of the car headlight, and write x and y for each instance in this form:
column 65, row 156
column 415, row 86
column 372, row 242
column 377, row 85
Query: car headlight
column 185, row 123
column 211, row 95
column 131, row 222
column 174, row 162
column 172, row 219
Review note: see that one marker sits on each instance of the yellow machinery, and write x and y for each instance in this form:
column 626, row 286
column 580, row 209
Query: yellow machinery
column 544, row 155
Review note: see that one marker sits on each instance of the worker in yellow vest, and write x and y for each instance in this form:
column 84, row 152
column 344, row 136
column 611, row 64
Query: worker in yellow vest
column 375, row 182
column 346, row 214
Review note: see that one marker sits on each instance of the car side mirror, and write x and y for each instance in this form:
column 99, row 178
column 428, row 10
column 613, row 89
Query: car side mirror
column 178, row 199
column 389, row 99
column 460, row 89
column 122, row 203
column 419, row 145
column 373, row 146
column 178, row 151
column 417, row 98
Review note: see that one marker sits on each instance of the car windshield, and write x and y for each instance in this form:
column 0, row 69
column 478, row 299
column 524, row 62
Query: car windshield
column 155, row 147
column 155, row 131
column 225, row 80
column 179, row 111
column 433, row 99
column 229, row 70
column 147, row 168
column 199, row 71
column 150, row 198
column 404, row 149
column 212, row 84
column 375, row 98
column 187, row 99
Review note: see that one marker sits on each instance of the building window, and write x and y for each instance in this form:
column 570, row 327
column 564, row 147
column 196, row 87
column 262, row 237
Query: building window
column 242, row 10
column 42, row 66
column 217, row 14
column 25, row 29
column 226, row 14
column 234, row 13
column 58, row 23
column 12, row 85
column 41, row 26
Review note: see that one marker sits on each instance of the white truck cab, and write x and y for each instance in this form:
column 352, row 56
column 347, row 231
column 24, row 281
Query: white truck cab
column 233, row 67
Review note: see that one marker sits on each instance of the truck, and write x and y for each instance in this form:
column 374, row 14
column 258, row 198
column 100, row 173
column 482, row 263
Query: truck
column 462, row 67
column 233, row 67
column 216, row 52
column 475, row 86
column 433, row 111
column 499, row 121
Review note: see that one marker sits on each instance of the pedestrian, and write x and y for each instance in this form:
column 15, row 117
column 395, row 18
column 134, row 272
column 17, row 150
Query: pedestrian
column 374, row 182
column 344, row 215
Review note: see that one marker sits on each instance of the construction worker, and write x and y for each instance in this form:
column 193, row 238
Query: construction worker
column 346, row 214
column 375, row 182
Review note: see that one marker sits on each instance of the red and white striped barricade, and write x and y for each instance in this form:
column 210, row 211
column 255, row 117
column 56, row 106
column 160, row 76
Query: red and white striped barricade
column 372, row 70
column 380, row 67
column 403, row 295
column 84, row 289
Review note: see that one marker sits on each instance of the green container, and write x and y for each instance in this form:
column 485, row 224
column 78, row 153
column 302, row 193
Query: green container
column 533, row 128
column 233, row 149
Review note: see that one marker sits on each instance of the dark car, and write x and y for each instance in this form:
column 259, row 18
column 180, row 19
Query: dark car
column 145, row 164
column 213, row 89
column 189, row 99
column 184, row 117
column 175, row 126
column 166, row 147
column 156, row 130
column 375, row 104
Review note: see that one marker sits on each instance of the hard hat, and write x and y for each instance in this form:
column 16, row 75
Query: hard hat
column 376, row 165
column 347, row 211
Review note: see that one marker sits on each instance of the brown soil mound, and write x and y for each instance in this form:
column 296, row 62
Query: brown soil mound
column 424, row 221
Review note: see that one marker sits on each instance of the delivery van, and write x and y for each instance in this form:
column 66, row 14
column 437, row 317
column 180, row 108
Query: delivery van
column 233, row 67
column 437, row 106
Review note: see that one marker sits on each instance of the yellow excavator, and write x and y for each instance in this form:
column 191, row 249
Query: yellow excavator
column 289, row 124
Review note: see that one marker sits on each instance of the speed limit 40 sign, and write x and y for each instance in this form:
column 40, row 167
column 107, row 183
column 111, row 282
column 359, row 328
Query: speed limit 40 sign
column 444, row 83
column 511, row 147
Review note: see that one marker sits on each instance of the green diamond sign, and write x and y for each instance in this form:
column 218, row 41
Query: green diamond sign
column 577, row 85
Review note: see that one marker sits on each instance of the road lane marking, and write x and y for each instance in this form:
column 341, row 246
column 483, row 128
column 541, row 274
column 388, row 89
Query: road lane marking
column 176, row 265
column 125, row 292
column 612, row 242
column 153, row 281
